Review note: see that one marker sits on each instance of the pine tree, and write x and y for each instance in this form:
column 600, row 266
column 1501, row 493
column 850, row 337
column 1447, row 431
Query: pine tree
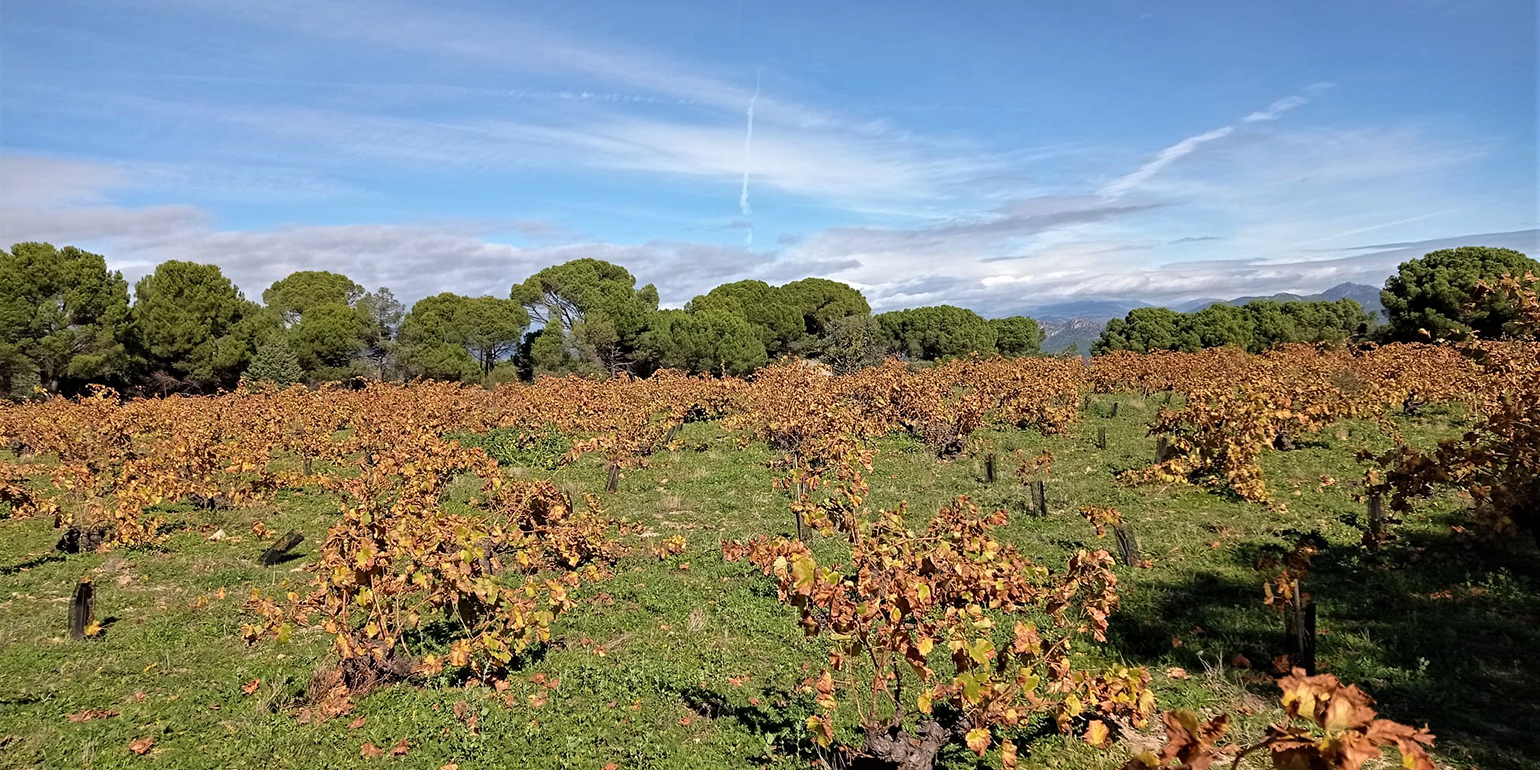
column 275, row 363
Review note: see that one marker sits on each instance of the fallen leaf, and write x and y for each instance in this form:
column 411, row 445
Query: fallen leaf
column 1176, row 673
column 357, row 723
column 400, row 749
column 90, row 714
column 1240, row 661
column 142, row 746
column 1096, row 733
column 251, row 687
column 368, row 751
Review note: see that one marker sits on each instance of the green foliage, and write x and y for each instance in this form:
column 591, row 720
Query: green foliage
column 63, row 318
column 596, row 308
column 327, row 338
column 306, row 289
column 852, row 343
column 712, row 340
column 542, row 449
column 490, row 328
column 1144, row 329
column 193, row 324
column 1018, row 336
column 936, row 333
column 1217, row 326
column 382, row 315
column 1255, row 326
column 1431, row 297
column 778, row 322
column 431, row 343
column 822, row 302
column 275, row 363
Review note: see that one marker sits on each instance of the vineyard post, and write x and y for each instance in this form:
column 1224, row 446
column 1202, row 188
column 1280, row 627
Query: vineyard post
column 1376, row 531
column 1162, row 448
column 1299, row 625
column 1101, row 438
column 82, row 608
column 613, row 485
column 281, row 548
column 1085, row 403
column 1040, row 497
column 1128, row 543
column 1114, row 414
column 989, row 468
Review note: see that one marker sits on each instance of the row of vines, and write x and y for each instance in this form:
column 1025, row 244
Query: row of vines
column 938, row 632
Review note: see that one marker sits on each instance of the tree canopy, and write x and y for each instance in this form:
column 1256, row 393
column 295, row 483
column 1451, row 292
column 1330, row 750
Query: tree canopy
column 1017, row 336
column 706, row 341
column 1432, row 297
column 599, row 312
column 777, row 321
column 291, row 296
column 821, row 302
column 64, row 319
column 937, row 332
column 194, row 326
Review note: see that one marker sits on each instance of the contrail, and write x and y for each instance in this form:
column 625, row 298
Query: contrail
column 748, row 149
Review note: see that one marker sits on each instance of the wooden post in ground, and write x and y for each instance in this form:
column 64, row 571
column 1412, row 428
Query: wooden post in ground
column 1101, row 438
column 613, row 485
column 281, row 548
column 1128, row 544
column 1376, row 533
column 82, row 608
column 1040, row 497
column 989, row 468
column 1114, row 410
column 1299, row 626
column 1162, row 448
column 1085, row 403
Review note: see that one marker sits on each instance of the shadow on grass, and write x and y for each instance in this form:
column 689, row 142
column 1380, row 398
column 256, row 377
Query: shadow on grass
column 36, row 561
column 1437, row 631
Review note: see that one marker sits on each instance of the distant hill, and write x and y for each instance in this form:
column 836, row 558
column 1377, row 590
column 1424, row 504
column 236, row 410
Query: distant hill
column 1065, row 332
column 1364, row 294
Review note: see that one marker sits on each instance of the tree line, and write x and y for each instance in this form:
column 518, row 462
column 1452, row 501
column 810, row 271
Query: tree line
column 1432, row 297
column 66, row 322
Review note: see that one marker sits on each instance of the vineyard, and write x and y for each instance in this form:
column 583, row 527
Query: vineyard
column 1142, row 560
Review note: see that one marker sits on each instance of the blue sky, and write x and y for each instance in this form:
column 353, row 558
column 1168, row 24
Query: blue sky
column 996, row 155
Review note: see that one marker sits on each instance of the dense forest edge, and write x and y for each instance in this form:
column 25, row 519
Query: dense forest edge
column 67, row 323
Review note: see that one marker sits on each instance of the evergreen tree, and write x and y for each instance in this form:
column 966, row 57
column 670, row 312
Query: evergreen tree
column 275, row 363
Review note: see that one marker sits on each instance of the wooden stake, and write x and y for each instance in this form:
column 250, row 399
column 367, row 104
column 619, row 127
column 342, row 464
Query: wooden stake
column 1114, row 410
column 1040, row 497
column 82, row 608
column 989, row 468
column 1376, row 533
column 281, row 548
column 1128, row 544
column 1162, row 447
column 1299, row 625
column 1101, row 438
column 614, row 483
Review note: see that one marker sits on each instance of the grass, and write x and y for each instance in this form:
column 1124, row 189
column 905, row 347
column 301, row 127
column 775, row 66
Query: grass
column 690, row 662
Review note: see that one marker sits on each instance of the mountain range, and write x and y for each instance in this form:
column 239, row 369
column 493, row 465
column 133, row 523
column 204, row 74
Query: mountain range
column 1078, row 324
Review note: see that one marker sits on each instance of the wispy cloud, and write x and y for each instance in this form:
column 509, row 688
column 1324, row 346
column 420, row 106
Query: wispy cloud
column 1136, row 178
column 1128, row 182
